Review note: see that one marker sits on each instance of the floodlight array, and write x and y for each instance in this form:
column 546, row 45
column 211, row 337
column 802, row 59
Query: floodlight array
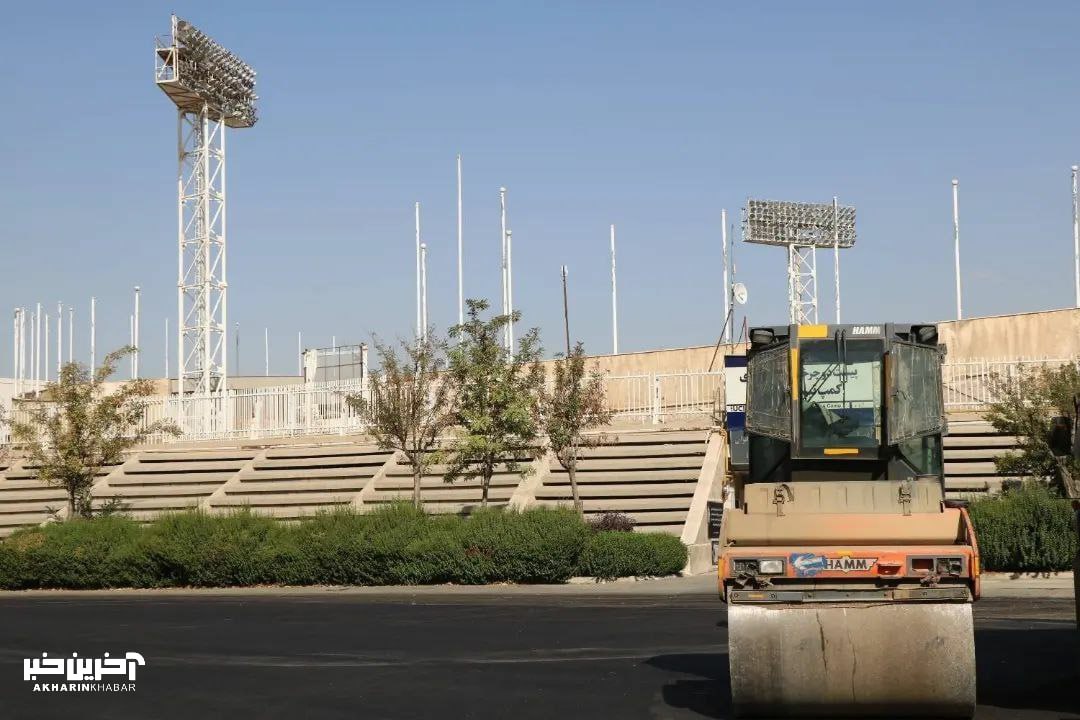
column 225, row 82
column 775, row 222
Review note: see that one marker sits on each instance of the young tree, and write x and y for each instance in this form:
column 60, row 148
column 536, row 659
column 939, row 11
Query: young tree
column 410, row 406
column 496, row 396
column 80, row 427
column 572, row 404
column 1026, row 406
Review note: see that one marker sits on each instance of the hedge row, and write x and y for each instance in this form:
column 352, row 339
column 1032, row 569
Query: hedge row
column 393, row 545
column 1026, row 529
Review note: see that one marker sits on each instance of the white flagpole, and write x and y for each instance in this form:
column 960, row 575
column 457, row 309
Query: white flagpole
column 614, row 300
column 419, row 319
column 956, row 244
column 460, row 250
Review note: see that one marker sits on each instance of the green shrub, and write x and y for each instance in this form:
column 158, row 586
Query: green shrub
column 1026, row 529
column 539, row 545
column 81, row 554
column 610, row 555
column 200, row 550
column 395, row 544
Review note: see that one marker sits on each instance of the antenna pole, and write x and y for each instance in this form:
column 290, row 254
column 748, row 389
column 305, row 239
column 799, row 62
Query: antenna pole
column 565, row 311
column 266, row 350
column 726, row 334
column 135, row 336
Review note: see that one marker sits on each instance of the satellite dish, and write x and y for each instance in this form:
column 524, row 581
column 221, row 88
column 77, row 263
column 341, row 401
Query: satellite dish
column 738, row 293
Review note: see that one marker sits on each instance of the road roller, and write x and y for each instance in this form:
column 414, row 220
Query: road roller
column 849, row 577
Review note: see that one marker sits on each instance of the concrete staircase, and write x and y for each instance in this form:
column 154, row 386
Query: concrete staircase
column 291, row 482
column 650, row 476
column 461, row 496
column 24, row 498
column 970, row 449
column 153, row 482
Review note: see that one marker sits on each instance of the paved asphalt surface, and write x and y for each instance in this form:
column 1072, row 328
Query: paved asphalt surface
column 513, row 655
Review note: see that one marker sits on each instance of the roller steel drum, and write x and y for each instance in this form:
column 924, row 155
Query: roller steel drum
column 832, row 660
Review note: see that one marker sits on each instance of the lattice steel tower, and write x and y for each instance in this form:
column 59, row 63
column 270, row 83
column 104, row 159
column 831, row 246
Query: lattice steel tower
column 213, row 90
column 801, row 228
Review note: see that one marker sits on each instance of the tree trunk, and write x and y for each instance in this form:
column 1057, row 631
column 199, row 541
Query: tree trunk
column 72, row 511
column 417, row 476
column 571, row 470
column 485, row 484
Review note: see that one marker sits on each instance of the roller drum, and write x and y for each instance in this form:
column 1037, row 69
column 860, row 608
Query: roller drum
column 894, row 660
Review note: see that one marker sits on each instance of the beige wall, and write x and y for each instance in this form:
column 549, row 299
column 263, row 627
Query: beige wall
column 1053, row 334
column 663, row 361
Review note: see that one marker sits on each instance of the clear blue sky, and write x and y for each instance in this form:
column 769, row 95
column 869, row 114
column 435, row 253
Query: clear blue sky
column 653, row 116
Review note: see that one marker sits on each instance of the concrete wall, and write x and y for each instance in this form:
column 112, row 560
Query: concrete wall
column 1052, row 333
column 662, row 361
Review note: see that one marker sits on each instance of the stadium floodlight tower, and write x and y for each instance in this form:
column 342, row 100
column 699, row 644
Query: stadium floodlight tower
column 801, row 228
column 212, row 89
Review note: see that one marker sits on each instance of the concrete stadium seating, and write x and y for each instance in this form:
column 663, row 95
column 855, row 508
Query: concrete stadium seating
column 650, row 476
column 153, row 482
column 970, row 449
column 290, row 482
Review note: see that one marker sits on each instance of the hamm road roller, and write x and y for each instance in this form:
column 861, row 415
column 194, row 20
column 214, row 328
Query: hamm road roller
column 848, row 576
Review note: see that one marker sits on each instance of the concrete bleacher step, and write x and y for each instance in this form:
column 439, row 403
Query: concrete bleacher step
column 450, row 494
column 643, row 475
column 284, row 499
column 641, row 451
column 256, row 485
column 322, row 462
column 680, row 462
column 593, row 490
column 957, row 454
column 41, row 493
column 325, row 451
column 11, row 523
column 980, row 441
column 164, row 482
column 966, row 467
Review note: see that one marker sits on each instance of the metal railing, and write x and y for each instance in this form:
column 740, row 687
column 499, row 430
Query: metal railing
column 321, row 408
column 969, row 384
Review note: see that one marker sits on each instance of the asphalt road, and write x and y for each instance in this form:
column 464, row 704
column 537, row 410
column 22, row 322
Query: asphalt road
column 517, row 655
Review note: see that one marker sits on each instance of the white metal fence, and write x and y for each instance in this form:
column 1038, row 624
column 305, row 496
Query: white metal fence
column 321, row 408
column 969, row 384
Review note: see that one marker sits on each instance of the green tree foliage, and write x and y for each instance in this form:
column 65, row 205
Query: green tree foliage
column 410, row 407
column 1025, row 406
column 572, row 404
column 496, row 398
column 81, row 426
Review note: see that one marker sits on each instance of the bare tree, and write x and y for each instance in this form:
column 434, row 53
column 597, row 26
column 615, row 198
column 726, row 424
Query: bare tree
column 497, row 394
column 573, row 404
column 80, row 427
column 410, row 405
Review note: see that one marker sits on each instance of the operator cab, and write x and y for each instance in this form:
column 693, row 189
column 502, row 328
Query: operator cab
column 862, row 402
